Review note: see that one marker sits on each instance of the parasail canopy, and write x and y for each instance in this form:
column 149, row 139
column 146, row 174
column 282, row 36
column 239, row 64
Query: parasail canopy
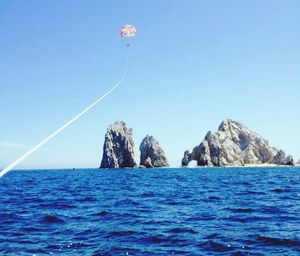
column 128, row 31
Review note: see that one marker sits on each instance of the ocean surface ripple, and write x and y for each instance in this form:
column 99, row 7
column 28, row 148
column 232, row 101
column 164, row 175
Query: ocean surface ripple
column 180, row 211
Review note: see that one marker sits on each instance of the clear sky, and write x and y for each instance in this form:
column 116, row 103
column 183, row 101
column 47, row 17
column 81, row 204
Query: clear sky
column 192, row 64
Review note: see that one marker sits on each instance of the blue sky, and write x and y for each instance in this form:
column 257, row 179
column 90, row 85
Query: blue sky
column 193, row 64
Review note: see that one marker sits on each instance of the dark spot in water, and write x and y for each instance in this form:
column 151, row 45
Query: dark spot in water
column 279, row 190
column 53, row 246
column 214, row 198
column 30, row 181
column 52, row 219
column 240, row 210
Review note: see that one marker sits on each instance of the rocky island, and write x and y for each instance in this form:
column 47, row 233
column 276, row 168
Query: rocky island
column 118, row 148
column 152, row 155
column 235, row 145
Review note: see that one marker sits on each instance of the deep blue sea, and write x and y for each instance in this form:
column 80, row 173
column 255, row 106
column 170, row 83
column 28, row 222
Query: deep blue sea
column 201, row 211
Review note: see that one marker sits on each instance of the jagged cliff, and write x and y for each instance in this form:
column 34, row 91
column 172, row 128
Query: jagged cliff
column 118, row 148
column 236, row 145
column 152, row 155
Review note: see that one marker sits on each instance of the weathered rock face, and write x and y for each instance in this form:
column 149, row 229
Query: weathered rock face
column 118, row 148
column 279, row 158
column 236, row 145
column 152, row 155
column 289, row 160
column 147, row 163
column 186, row 158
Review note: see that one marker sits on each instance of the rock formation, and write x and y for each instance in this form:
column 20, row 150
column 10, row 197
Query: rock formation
column 281, row 159
column 186, row 158
column 235, row 145
column 152, row 155
column 289, row 160
column 118, row 148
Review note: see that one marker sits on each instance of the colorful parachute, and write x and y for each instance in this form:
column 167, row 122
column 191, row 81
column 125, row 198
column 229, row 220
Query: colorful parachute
column 128, row 31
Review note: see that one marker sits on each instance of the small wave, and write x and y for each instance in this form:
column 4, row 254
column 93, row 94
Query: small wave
column 251, row 192
column 128, row 215
column 240, row 210
column 251, row 219
column 213, row 235
column 186, row 196
column 199, row 217
column 154, row 239
column 279, row 190
column 120, row 233
column 85, row 233
column 214, row 198
column 172, row 202
column 183, row 230
column 157, row 222
column 101, row 213
column 8, row 216
column 24, row 241
column 179, row 252
column 236, row 219
column 215, row 247
column 88, row 199
column 53, row 246
column 119, row 251
column 32, row 229
column 273, row 210
column 31, row 180
column 246, row 183
column 273, row 241
column 52, row 219
column 57, row 205
column 148, row 194
column 126, row 202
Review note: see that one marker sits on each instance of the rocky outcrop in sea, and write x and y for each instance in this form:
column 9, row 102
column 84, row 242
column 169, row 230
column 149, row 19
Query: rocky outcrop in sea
column 152, row 155
column 281, row 159
column 235, row 145
column 118, row 148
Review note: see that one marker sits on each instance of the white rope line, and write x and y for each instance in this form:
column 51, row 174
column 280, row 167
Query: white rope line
column 36, row 147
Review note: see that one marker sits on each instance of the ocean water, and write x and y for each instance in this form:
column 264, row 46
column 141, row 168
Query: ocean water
column 201, row 211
